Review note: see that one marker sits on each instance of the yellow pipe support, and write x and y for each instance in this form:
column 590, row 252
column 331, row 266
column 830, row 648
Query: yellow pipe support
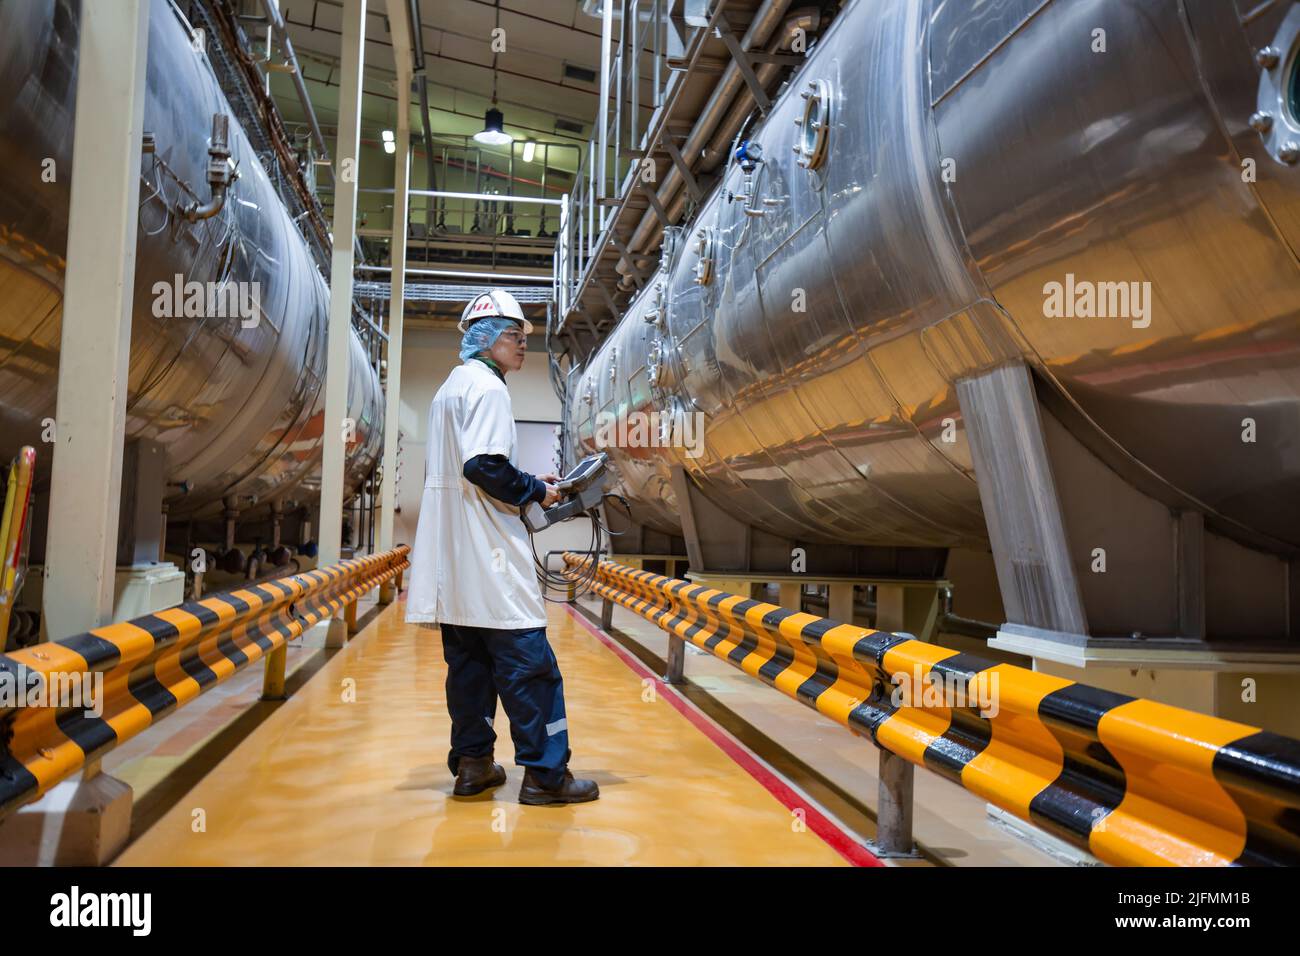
column 137, row 672
column 273, row 678
column 350, row 617
column 1133, row 781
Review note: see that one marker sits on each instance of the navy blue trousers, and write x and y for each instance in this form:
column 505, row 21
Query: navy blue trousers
column 484, row 663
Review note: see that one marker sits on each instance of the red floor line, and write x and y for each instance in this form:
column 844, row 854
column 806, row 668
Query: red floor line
column 833, row 835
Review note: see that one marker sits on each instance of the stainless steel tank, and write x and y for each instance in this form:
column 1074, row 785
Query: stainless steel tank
column 238, row 409
column 932, row 170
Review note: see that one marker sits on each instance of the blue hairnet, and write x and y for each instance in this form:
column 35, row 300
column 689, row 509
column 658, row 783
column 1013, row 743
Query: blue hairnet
column 481, row 335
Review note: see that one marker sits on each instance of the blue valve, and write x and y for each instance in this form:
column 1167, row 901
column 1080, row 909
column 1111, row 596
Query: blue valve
column 749, row 154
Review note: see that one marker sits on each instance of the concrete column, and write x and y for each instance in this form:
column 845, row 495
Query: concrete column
column 840, row 602
column 340, row 322
column 90, row 418
column 890, row 607
column 341, row 264
column 397, row 21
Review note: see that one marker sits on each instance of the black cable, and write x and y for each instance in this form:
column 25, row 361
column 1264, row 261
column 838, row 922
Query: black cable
column 626, row 507
column 582, row 581
column 551, row 580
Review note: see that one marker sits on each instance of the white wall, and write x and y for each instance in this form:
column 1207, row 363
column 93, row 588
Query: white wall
column 427, row 359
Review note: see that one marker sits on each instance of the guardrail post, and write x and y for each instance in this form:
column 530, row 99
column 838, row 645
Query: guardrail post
column 894, row 812
column 273, row 682
column 676, row 660
column 350, row 615
column 606, row 614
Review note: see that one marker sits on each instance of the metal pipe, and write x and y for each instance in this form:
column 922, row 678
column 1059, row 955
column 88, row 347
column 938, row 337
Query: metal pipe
column 760, row 30
column 219, row 172
column 541, row 226
column 602, row 112
column 484, row 197
column 542, row 278
column 430, row 175
column 299, row 85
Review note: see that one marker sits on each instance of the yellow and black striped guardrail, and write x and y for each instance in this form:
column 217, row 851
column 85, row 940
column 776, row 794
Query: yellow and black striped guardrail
column 1132, row 781
column 157, row 663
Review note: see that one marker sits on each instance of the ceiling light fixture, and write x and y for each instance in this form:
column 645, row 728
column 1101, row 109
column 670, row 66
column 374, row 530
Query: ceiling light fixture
column 389, row 145
column 493, row 132
column 530, row 148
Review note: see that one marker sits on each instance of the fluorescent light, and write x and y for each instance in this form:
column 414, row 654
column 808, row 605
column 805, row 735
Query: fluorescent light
column 530, row 147
column 492, row 133
column 388, row 135
column 390, row 146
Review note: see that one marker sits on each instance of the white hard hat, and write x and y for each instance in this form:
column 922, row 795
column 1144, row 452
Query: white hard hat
column 490, row 303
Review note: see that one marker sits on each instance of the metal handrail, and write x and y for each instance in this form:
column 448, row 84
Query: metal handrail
column 1132, row 781
column 149, row 667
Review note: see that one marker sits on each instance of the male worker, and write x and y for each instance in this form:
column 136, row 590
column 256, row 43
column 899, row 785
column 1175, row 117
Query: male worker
column 472, row 570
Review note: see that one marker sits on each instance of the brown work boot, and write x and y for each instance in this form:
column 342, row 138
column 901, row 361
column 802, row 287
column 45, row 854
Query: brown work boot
column 570, row 791
column 476, row 774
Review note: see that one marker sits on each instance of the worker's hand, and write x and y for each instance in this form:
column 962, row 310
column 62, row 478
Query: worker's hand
column 549, row 479
column 553, row 495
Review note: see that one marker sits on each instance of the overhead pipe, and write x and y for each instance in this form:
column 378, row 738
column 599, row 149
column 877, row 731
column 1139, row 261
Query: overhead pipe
column 719, row 148
column 299, row 84
column 422, row 89
column 760, row 30
column 805, row 19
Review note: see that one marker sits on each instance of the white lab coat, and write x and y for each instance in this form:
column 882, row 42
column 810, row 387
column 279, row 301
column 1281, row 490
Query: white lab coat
column 472, row 563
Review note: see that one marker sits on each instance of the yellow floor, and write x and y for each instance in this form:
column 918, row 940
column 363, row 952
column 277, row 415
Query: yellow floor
column 325, row 781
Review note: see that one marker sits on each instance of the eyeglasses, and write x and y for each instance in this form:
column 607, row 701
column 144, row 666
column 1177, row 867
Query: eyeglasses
column 516, row 337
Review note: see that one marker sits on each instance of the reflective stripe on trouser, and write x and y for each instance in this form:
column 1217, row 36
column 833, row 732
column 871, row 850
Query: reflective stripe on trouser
column 519, row 667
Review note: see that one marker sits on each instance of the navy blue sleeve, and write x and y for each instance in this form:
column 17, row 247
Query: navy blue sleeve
column 503, row 481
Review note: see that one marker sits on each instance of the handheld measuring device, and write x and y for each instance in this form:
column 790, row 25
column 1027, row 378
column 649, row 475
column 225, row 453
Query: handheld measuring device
column 584, row 487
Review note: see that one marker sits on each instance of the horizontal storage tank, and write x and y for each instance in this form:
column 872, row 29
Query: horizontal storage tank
column 237, row 404
column 928, row 200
